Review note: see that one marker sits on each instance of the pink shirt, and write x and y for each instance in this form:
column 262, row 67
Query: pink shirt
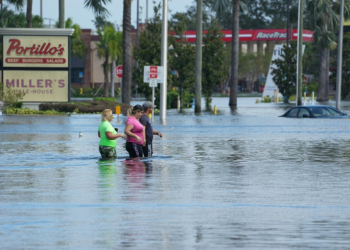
column 137, row 129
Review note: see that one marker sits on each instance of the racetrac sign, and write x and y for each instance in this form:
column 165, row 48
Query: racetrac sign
column 35, row 51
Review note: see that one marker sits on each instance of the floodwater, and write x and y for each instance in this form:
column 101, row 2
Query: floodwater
column 239, row 179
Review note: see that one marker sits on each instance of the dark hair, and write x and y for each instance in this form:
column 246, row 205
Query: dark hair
column 133, row 110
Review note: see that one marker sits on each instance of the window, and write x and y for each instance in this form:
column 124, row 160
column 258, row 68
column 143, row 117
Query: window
column 77, row 75
column 303, row 113
column 318, row 111
column 293, row 112
column 334, row 112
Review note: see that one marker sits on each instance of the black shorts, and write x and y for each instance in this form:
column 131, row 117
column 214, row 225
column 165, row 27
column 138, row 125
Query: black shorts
column 134, row 149
column 148, row 150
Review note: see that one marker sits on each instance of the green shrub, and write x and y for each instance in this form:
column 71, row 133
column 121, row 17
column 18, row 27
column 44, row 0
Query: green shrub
column 172, row 99
column 266, row 99
column 27, row 111
column 107, row 99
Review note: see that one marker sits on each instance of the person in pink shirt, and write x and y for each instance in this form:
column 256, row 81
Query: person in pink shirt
column 135, row 132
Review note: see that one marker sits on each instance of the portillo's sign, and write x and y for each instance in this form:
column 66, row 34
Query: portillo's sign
column 37, row 63
column 25, row 51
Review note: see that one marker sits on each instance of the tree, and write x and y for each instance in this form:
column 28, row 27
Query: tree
column 181, row 56
column 29, row 13
column 126, row 95
column 345, row 81
column 219, row 6
column 78, row 48
column 284, row 74
column 251, row 65
column 61, row 14
column 324, row 15
column 214, row 69
column 98, row 6
column 10, row 97
column 148, row 52
column 107, row 48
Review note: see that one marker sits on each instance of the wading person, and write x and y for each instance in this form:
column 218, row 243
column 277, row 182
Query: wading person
column 135, row 132
column 108, row 135
column 146, row 122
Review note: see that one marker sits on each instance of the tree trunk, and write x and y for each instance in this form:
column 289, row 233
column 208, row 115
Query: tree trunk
column 29, row 13
column 234, row 59
column 326, row 90
column 61, row 14
column 198, row 79
column 105, row 72
column 126, row 95
column 322, row 75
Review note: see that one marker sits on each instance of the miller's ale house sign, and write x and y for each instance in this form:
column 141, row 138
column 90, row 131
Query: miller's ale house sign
column 37, row 63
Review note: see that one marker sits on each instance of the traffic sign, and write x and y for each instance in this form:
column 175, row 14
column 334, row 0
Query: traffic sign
column 153, row 82
column 153, row 72
column 147, row 70
column 119, row 71
column 305, row 80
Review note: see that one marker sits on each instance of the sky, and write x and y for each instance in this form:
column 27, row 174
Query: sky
column 83, row 16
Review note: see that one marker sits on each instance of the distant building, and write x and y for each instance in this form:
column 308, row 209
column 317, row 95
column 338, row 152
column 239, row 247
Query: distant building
column 87, row 72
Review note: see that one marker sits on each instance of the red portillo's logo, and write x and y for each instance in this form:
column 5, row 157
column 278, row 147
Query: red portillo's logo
column 43, row 49
column 34, row 54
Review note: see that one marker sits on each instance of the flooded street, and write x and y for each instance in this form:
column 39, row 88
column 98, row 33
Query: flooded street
column 239, row 179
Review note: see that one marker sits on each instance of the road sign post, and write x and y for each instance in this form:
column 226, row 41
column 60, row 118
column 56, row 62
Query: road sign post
column 153, row 75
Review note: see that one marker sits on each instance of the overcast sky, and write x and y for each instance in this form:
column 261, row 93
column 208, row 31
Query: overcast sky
column 82, row 16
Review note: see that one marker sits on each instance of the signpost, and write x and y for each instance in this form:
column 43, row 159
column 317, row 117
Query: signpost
column 153, row 75
column 119, row 74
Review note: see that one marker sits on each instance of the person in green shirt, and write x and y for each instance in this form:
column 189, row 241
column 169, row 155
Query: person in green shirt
column 108, row 135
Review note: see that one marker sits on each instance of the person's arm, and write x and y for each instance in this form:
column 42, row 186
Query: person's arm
column 128, row 132
column 99, row 135
column 157, row 133
column 144, row 135
column 111, row 136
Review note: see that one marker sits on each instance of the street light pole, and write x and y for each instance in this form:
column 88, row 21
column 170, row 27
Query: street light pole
column 340, row 56
column 164, row 62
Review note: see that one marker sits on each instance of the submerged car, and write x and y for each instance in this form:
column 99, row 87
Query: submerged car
column 314, row 111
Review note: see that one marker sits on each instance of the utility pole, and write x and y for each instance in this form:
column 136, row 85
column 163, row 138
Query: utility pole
column 340, row 56
column 198, row 78
column 300, row 54
column 164, row 62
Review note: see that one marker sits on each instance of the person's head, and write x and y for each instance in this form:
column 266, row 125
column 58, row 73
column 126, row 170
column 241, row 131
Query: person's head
column 107, row 115
column 136, row 111
column 148, row 106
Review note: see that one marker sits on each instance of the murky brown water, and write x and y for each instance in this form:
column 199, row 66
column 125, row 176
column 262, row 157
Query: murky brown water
column 243, row 179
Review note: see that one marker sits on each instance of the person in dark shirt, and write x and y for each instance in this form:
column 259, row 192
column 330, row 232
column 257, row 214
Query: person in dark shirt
column 146, row 122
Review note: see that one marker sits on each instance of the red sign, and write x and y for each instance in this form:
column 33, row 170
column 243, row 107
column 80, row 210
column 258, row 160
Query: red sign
column 256, row 35
column 153, row 72
column 119, row 71
column 305, row 80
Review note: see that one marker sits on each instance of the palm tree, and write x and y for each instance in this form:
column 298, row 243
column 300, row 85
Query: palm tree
column 219, row 6
column 98, row 6
column 126, row 95
column 325, row 17
column 29, row 13
column 78, row 48
column 61, row 14
column 107, row 48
